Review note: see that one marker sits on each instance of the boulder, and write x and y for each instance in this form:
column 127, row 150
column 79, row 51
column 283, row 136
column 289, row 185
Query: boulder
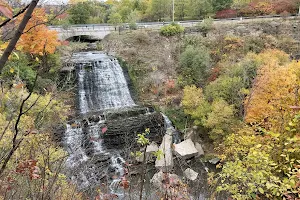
column 153, row 147
column 140, row 158
column 190, row 174
column 185, row 149
column 199, row 149
column 165, row 163
column 160, row 178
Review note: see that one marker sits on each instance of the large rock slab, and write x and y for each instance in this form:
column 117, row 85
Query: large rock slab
column 190, row 174
column 199, row 149
column 165, row 163
column 186, row 149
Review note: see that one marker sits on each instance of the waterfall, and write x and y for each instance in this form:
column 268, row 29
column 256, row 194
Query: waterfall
column 109, row 120
column 101, row 87
column 101, row 83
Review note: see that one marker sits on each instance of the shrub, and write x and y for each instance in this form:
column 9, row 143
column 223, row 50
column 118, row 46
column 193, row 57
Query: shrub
column 205, row 26
column 227, row 13
column 194, row 63
column 171, row 30
column 133, row 26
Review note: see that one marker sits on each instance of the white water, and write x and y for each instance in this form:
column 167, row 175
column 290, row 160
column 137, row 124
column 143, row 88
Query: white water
column 101, row 86
column 101, row 83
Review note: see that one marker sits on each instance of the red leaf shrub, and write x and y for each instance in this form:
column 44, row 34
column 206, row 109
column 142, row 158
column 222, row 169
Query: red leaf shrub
column 227, row 13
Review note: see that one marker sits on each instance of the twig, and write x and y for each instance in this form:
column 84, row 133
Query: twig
column 5, row 130
column 16, row 143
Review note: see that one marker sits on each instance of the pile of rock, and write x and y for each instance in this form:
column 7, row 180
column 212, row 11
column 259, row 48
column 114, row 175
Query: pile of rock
column 184, row 150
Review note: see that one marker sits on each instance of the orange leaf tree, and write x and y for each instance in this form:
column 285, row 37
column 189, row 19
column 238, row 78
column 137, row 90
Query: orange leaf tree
column 274, row 92
column 37, row 38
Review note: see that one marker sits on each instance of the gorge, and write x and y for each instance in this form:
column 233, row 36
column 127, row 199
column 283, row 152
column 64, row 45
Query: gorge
column 102, row 137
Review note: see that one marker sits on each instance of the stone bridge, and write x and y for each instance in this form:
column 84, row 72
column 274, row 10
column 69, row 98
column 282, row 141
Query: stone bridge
column 97, row 32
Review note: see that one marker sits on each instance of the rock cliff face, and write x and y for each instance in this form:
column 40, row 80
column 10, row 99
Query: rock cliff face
column 108, row 122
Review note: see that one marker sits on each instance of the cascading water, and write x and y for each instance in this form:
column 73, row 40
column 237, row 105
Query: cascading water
column 101, row 87
column 101, row 83
column 108, row 120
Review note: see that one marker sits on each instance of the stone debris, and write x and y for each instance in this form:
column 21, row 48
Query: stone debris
column 186, row 149
column 199, row 149
column 190, row 174
column 153, row 147
column 160, row 177
column 165, row 163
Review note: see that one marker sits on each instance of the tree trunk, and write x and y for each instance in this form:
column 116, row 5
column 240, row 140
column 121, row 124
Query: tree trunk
column 18, row 34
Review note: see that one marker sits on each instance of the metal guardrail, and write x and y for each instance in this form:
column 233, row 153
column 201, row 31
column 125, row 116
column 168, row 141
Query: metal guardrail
column 110, row 27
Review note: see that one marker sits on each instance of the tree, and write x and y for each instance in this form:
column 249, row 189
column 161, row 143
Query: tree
column 28, row 156
column 267, row 104
column 80, row 13
column 220, row 120
column 262, row 164
column 132, row 18
column 195, row 104
column 218, row 117
column 18, row 34
column 200, row 8
column 160, row 9
column 181, row 9
column 205, row 26
column 227, row 88
column 115, row 19
column 194, row 64
column 221, row 4
column 37, row 38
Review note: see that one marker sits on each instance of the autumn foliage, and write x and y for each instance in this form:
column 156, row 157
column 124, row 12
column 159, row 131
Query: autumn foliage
column 275, row 90
column 228, row 13
column 37, row 38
